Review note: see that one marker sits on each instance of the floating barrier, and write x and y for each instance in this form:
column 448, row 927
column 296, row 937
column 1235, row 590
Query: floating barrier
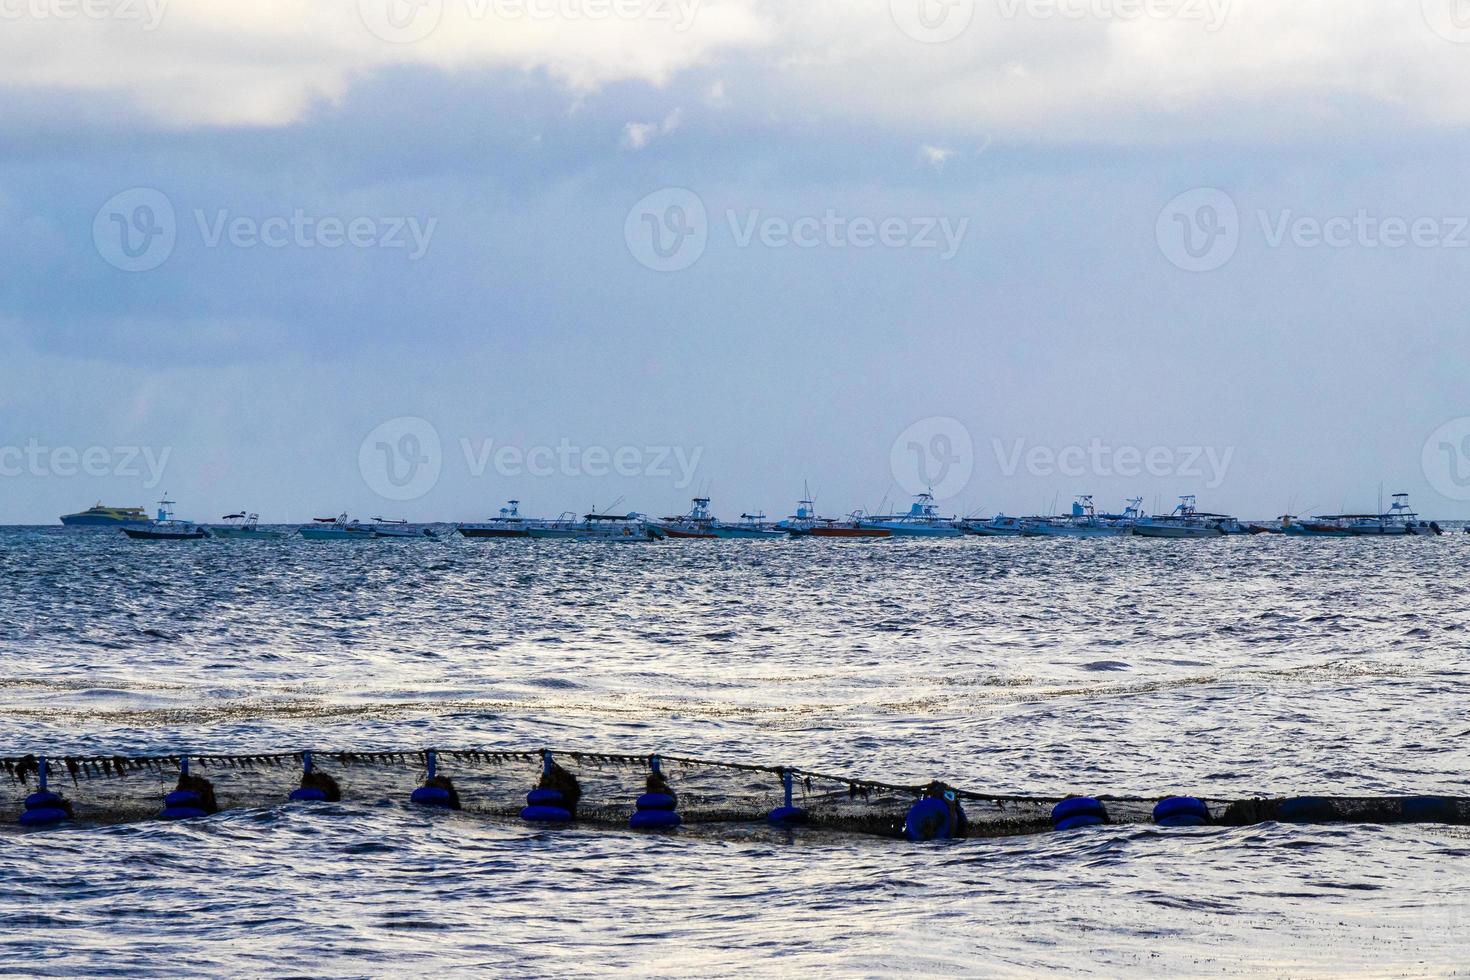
column 643, row 791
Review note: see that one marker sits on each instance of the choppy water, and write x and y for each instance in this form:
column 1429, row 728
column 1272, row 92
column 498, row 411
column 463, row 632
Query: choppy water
column 1228, row 667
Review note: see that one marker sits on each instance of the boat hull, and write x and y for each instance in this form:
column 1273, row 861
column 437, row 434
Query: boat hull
column 87, row 520
column 1166, row 531
column 1076, row 531
column 494, row 532
column 334, row 534
column 151, row 534
column 241, row 534
column 748, row 533
column 842, row 532
column 900, row 530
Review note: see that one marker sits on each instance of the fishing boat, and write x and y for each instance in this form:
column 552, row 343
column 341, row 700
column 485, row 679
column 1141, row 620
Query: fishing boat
column 1314, row 527
column 510, row 524
column 1399, row 520
column 698, row 523
column 243, row 527
column 101, row 515
column 999, row 526
column 922, row 521
column 611, row 528
column 1187, row 521
column 750, row 526
column 382, row 527
column 1086, row 522
column 166, row 527
column 336, row 529
column 806, row 524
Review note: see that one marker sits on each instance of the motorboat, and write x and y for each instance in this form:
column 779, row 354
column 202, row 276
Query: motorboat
column 400, row 530
column 510, row 524
column 999, row 526
column 242, row 527
column 336, row 529
column 1086, row 522
column 1187, row 521
column 750, row 526
column 102, row 515
column 1400, row 520
column 922, row 521
column 613, row 528
column 1314, row 527
column 806, row 524
column 166, row 527
column 698, row 523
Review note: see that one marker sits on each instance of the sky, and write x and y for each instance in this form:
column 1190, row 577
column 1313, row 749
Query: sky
column 412, row 258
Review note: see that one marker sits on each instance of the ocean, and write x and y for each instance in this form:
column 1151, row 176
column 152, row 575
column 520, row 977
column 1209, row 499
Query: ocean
column 1228, row 668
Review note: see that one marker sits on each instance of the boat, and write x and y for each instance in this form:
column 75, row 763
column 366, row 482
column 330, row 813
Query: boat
column 750, row 526
column 922, row 521
column 336, row 529
column 1399, row 520
column 999, row 526
column 1314, row 527
column 1086, row 522
column 510, row 524
column 698, row 523
column 1187, row 521
column 806, row 524
column 243, row 527
column 400, row 530
column 100, row 515
column 166, row 527
column 612, row 528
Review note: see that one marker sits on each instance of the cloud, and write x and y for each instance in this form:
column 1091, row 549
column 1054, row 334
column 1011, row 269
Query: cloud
column 1098, row 70
column 637, row 135
column 935, row 156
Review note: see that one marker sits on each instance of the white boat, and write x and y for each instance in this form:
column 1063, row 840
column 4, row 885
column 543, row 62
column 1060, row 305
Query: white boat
column 336, row 529
column 1085, row 522
column 166, row 527
column 1400, row 521
column 750, row 526
column 611, row 528
column 1186, row 521
column 400, row 530
column 999, row 526
column 243, row 527
column 701, row 523
column 922, row 521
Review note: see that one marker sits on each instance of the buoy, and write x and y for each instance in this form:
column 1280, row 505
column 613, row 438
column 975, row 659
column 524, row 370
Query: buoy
column 437, row 790
column 786, row 814
column 937, row 815
column 1078, row 811
column 554, row 800
column 657, row 808
column 44, row 808
column 316, row 786
column 192, row 797
column 1181, row 811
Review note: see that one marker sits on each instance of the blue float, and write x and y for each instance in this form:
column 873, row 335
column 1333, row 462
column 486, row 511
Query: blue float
column 1181, row 811
column 1077, row 812
column 1431, row 809
column 786, row 814
column 545, row 797
column 655, row 810
column 315, row 787
column 546, row 814
column 44, row 808
column 308, row 794
column 928, row 819
column 435, row 792
column 1308, row 809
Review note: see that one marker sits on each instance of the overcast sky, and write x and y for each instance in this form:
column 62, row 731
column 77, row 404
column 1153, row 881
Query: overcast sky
column 415, row 258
